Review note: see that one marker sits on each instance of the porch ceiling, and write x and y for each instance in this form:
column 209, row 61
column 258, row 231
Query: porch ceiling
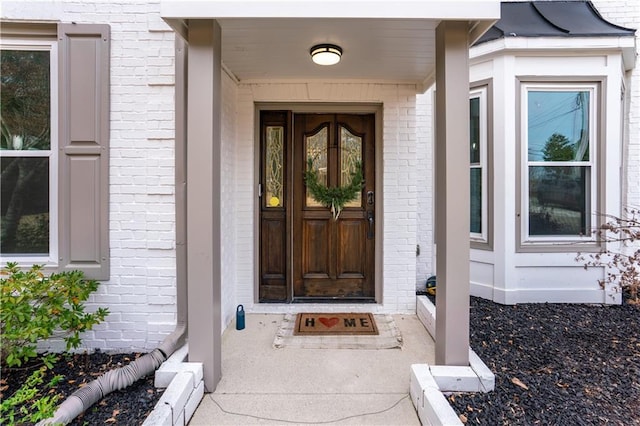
column 381, row 40
column 372, row 49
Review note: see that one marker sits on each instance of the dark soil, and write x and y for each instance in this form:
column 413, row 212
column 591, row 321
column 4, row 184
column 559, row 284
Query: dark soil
column 555, row 364
column 129, row 406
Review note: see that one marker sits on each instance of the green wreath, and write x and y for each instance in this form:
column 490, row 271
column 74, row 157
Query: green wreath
column 336, row 197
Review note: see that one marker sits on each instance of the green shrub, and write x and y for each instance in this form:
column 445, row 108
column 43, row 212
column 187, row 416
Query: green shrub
column 32, row 402
column 35, row 307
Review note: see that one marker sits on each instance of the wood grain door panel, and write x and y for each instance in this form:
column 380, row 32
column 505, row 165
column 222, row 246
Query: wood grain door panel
column 316, row 248
column 351, row 245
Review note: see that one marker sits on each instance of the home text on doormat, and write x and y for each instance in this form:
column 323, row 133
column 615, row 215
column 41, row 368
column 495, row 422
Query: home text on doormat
column 335, row 324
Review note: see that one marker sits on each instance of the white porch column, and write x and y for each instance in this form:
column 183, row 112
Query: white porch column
column 452, row 193
column 203, row 198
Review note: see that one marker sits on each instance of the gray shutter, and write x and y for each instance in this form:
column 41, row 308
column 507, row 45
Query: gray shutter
column 84, row 148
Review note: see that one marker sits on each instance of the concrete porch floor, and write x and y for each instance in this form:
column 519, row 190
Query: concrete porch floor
column 263, row 385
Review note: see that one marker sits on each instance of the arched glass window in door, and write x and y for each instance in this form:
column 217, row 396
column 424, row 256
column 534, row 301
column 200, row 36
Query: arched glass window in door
column 316, row 146
column 350, row 157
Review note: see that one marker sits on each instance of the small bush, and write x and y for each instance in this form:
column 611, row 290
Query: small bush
column 35, row 307
column 623, row 268
column 34, row 401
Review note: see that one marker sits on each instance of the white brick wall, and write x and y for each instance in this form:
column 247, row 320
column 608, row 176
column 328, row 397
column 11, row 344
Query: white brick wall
column 141, row 292
column 229, row 220
column 400, row 198
column 425, row 185
column 245, row 201
column 626, row 13
column 400, row 162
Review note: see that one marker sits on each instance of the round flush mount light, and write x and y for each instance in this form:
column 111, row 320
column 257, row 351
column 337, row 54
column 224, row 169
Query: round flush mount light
column 326, row 54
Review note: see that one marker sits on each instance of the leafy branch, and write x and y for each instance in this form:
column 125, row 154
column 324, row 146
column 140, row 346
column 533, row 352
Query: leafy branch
column 35, row 307
column 335, row 197
column 623, row 267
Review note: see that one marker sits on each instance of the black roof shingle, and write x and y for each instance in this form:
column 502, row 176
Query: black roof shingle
column 568, row 18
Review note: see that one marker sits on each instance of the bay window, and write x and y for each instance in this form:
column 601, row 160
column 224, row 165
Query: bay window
column 559, row 162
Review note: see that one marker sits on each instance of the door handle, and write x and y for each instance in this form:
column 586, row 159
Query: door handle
column 371, row 231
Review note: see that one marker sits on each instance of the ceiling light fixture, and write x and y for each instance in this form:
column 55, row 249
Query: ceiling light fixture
column 326, row 54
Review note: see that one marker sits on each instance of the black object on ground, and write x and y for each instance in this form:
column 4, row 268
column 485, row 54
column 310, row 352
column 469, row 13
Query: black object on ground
column 555, row 364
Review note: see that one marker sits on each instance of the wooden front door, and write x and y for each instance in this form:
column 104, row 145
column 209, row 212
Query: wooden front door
column 333, row 257
column 308, row 253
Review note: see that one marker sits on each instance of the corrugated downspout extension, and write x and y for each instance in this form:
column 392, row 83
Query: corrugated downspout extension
column 174, row 341
column 113, row 380
column 116, row 379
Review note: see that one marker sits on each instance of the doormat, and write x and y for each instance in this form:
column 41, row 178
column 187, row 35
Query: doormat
column 388, row 337
column 335, row 324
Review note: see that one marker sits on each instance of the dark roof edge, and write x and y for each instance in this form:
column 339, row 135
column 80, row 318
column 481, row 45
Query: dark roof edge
column 562, row 25
column 597, row 13
column 544, row 18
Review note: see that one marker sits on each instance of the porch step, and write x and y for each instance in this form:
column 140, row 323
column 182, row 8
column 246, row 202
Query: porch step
column 184, row 390
column 429, row 382
column 456, row 379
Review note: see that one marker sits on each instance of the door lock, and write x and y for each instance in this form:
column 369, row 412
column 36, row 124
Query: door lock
column 370, row 199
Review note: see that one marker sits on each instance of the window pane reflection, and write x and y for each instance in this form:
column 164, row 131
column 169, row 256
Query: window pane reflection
column 476, row 200
column 474, row 131
column 558, row 126
column 558, row 201
column 25, row 100
column 24, row 206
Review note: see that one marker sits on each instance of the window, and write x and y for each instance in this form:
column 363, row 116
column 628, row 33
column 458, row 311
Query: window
column 559, row 159
column 28, row 150
column 478, row 163
column 54, row 104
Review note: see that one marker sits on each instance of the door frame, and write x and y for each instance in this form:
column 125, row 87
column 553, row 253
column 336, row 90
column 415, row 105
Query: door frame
column 323, row 108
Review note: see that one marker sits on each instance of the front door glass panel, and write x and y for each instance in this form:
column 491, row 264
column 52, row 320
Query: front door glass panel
column 316, row 147
column 274, row 166
column 350, row 160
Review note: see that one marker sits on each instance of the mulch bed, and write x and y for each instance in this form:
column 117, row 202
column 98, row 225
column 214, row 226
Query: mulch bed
column 555, row 364
column 129, row 406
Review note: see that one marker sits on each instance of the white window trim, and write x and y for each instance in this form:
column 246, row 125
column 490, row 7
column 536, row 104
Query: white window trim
column 481, row 94
column 51, row 260
column 594, row 102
